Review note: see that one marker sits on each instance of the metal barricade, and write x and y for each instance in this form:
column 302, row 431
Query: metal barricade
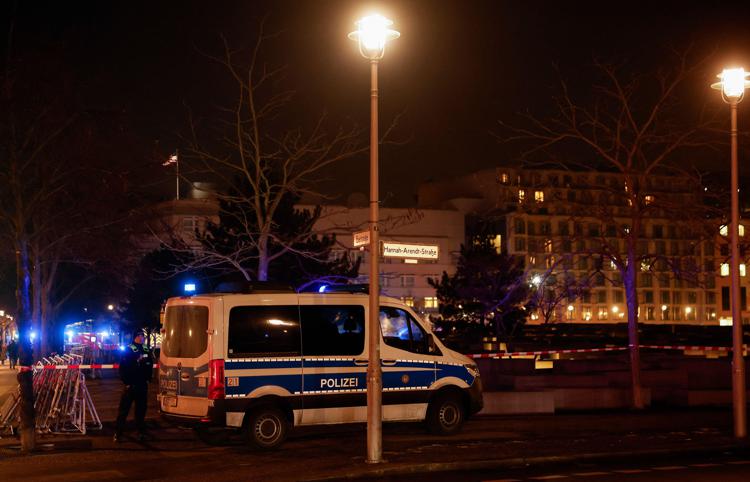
column 62, row 402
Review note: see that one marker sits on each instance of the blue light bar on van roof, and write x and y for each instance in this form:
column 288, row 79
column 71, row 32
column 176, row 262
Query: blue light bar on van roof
column 189, row 288
column 322, row 289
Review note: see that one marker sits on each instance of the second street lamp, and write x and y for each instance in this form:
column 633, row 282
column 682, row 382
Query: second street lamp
column 372, row 33
column 732, row 85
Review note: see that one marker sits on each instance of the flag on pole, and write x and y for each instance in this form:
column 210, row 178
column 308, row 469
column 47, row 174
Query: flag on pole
column 172, row 160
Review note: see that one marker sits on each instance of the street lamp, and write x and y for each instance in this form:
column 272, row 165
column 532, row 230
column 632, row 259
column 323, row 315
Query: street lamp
column 372, row 34
column 732, row 85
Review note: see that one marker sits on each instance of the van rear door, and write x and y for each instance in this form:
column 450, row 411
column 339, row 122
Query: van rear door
column 183, row 367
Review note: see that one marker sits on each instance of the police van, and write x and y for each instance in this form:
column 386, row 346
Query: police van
column 267, row 360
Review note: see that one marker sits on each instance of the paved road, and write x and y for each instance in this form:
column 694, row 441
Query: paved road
column 725, row 467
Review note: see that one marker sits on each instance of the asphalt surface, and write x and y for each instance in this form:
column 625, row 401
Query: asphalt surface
column 489, row 448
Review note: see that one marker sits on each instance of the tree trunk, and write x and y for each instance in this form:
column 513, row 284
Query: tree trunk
column 263, row 258
column 26, row 360
column 37, row 300
column 631, row 296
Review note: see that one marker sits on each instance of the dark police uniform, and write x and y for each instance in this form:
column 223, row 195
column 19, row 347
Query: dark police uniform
column 136, row 370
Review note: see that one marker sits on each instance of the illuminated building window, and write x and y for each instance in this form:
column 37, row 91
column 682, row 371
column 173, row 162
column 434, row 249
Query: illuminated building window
column 408, row 300
column 664, row 313
column 504, row 178
column 497, row 243
column 570, row 312
column 532, row 260
column 724, row 230
column 602, row 314
column 430, row 302
column 710, row 314
column 548, row 246
column 550, row 261
column 648, row 199
column 742, row 269
column 724, row 269
column 586, row 313
column 539, row 196
column 521, row 195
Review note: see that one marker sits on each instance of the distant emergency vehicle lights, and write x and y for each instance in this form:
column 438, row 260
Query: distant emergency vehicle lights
column 189, row 288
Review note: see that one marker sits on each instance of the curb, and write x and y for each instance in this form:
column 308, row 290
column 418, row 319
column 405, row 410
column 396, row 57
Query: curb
column 515, row 462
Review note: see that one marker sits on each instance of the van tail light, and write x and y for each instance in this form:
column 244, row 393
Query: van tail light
column 215, row 379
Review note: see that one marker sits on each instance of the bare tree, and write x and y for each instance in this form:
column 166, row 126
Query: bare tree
column 634, row 126
column 262, row 163
column 555, row 288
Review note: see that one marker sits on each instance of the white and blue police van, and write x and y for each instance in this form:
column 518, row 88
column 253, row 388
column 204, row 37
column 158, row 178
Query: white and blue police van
column 264, row 361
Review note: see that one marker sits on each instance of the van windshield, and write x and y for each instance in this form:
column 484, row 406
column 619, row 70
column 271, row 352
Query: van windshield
column 185, row 330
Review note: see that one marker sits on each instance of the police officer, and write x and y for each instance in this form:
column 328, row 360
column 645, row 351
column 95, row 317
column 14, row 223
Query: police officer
column 136, row 370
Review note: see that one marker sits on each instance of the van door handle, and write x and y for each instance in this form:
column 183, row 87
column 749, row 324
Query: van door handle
column 360, row 363
column 388, row 362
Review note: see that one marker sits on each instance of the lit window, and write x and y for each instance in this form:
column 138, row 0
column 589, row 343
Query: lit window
column 548, row 246
column 586, row 313
column 742, row 269
column 539, row 196
column 497, row 243
column 408, row 300
column 602, row 314
column 430, row 302
column 550, row 261
column 724, row 230
column 521, row 195
column 504, row 178
column 649, row 199
column 724, row 269
column 570, row 312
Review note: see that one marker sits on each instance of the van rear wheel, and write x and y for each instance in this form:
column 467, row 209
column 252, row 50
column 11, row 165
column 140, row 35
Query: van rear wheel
column 446, row 414
column 267, row 428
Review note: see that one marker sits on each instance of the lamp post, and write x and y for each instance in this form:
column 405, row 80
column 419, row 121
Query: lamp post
column 372, row 34
column 732, row 86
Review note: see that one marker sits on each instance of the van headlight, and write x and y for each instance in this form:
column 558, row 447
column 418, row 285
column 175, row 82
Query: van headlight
column 472, row 369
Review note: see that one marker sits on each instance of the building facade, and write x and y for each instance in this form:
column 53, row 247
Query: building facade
column 552, row 219
column 404, row 278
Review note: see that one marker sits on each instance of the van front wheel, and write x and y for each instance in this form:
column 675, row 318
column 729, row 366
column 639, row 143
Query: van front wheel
column 445, row 415
column 267, row 428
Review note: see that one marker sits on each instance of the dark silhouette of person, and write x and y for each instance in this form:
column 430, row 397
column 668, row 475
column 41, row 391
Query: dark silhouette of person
column 136, row 371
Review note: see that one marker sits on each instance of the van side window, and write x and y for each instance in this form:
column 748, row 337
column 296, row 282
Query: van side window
column 263, row 331
column 332, row 330
column 401, row 331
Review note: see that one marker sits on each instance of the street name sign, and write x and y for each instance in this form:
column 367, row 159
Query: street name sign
column 361, row 238
column 403, row 250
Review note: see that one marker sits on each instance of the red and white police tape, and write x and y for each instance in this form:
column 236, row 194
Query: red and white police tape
column 504, row 354
column 97, row 366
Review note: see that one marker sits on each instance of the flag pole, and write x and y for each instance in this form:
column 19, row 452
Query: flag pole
column 177, row 170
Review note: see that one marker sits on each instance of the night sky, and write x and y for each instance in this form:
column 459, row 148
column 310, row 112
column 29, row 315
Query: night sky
column 458, row 67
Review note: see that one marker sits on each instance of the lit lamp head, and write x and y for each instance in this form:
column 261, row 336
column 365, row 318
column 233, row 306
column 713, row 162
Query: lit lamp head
column 372, row 34
column 732, row 84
